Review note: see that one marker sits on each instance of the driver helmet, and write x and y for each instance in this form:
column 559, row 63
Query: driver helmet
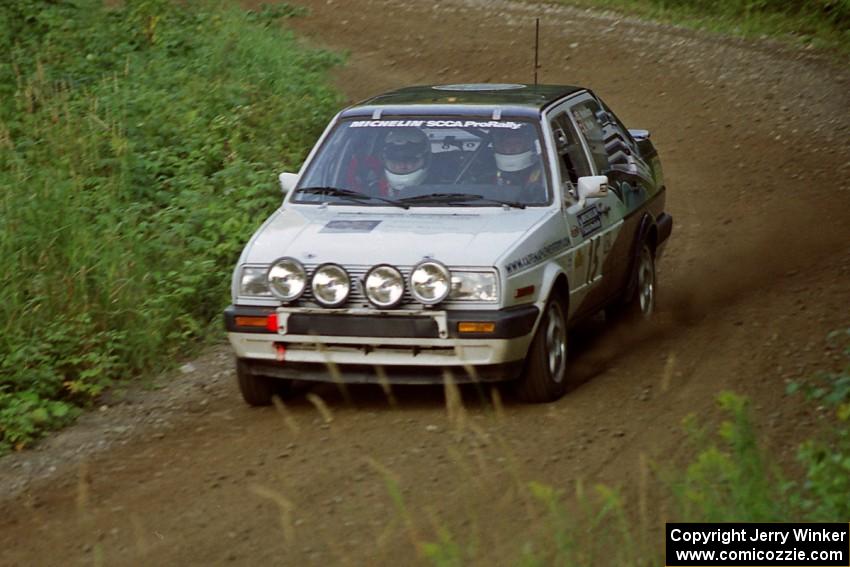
column 406, row 156
column 514, row 148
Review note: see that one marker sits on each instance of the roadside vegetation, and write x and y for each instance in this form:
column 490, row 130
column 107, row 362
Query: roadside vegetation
column 139, row 147
column 823, row 24
column 731, row 478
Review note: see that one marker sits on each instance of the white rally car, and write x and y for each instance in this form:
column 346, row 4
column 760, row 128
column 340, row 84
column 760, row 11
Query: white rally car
column 455, row 230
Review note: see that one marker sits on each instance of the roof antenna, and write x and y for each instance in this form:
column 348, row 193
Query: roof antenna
column 536, row 47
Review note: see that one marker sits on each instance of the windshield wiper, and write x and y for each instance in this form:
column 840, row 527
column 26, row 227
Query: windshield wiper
column 513, row 204
column 458, row 198
column 435, row 198
column 349, row 194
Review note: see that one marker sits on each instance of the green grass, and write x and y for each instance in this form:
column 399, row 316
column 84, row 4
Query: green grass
column 822, row 24
column 139, row 148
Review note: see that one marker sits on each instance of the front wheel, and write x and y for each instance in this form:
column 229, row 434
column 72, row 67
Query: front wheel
column 258, row 390
column 545, row 376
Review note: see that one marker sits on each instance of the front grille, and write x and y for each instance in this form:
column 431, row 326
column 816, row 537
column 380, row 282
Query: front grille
column 334, row 325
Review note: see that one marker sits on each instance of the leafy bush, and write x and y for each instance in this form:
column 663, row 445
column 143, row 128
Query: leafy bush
column 730, row 479
column 734, row 481
column 138, row 151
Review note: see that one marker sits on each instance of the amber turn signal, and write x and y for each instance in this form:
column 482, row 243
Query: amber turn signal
column 476, row 327
column 250, row 321
column 523, row 291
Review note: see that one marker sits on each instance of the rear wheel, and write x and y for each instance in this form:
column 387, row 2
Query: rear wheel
column 545, row 376
column 258, row 390
column 640, row 305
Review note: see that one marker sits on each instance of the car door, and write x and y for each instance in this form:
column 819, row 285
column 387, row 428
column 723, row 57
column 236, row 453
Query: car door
column 593, row 225
column 615, row 154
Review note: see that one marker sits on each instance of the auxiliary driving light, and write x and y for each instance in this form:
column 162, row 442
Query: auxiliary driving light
column 384, row 286
column 331, row 285
column 287, row 279
column 430, row 282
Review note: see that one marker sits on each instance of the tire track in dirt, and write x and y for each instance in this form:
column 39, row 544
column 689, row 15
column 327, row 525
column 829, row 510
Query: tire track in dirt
column 756, row 273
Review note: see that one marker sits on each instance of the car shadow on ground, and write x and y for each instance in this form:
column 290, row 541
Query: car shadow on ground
column 595, row 347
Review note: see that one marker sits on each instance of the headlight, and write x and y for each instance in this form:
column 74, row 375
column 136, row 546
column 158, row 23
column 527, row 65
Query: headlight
column 474, row 286
column 330, row 285
column 429, row 282
column 384, row 286
column 287, row 279
column 252, row 281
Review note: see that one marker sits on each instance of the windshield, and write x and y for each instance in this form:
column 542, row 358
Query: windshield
column 418, row 161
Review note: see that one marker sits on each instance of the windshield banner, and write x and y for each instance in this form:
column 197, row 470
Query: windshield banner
column 434, row 124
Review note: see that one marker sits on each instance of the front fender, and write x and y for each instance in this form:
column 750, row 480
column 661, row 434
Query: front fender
column 554, row 280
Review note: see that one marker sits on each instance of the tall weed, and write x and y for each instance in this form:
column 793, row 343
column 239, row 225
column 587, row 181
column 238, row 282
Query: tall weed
column 824, row 494
column 731, row 478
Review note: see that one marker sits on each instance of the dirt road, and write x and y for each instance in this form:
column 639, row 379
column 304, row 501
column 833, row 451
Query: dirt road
column 753, row 140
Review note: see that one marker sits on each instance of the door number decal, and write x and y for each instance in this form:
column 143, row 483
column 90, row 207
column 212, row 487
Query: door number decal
column 593, row 260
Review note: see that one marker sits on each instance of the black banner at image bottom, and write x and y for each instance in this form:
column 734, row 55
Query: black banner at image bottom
column 759, row 545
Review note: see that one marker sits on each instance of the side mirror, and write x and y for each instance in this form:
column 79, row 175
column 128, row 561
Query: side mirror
column 592, row 187
column 287, row 181
column 639, row 134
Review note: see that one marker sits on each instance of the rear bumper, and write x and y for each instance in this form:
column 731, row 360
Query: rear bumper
column 409, row 347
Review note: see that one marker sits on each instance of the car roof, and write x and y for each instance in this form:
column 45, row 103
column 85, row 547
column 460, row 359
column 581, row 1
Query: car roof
column 463, row 99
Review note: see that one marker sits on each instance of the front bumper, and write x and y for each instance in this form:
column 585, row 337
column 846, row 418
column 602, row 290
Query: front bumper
column 408, row 346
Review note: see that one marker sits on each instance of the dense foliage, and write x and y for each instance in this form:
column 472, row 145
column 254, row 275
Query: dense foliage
column 835, row 13
column 138, row 151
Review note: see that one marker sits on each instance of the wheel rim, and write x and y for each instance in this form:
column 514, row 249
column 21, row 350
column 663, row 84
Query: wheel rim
column 556, row 342
column 646, row 283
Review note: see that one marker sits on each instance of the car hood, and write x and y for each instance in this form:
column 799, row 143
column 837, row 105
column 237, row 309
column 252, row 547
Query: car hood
column 456, row 236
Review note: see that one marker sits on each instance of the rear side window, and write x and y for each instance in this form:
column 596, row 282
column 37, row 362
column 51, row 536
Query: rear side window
column 609, row 144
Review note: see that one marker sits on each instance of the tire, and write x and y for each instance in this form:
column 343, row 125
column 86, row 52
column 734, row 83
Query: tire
column 545, row 376
column 640, row 305
column 258, row 390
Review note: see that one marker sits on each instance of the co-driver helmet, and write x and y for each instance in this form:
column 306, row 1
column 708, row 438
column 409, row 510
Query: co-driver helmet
column 514, row 148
